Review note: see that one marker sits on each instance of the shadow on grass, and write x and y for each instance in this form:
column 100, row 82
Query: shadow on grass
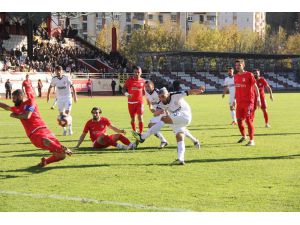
column 16, row 143
column 7, row 176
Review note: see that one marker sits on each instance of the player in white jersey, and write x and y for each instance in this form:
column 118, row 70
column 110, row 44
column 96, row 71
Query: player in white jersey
column 178, row 116
column 152, row 98
column 229, row 86
column 63, row 86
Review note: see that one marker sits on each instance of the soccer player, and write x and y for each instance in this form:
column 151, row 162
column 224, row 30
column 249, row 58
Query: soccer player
column 27, row 88
column 262, row 84
column 97, row 127
column 229, row 86
column 152, row 98
column 245, row 89
column 134, row 90
column 89, row 86
column 63, row 86
column 37, row 131
column 178, row 116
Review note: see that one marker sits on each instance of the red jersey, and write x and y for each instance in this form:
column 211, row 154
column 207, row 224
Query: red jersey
column 244, row 88
column 89, row 84
column 27, row 85
column 35, row 121
column 136, row 88
column 96, row 128
column 262, row 83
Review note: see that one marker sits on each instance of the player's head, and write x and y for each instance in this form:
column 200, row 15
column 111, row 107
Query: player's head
column 96, row 111
column 230, row 71
column 256, row 73
column 240, row 65
column 149, row 86
column 27, row 76
column 58, row 70
column 17, row 97
column 137, row 72
column 164, row 95
column 7, row 80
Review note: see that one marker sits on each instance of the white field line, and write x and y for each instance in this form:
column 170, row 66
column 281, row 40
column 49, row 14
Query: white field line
column 95, row 201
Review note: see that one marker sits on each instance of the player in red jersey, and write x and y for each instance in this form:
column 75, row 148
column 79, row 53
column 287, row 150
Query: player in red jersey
column 97, row 127
column 37, row 131
column 262, row 84
column 27, row 88
column 245, row 89
column 134, row 89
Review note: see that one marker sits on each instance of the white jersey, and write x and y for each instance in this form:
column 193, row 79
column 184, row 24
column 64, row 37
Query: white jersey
column 177, row 105
column 229, row 82
column 153, row 98
column 63, row 86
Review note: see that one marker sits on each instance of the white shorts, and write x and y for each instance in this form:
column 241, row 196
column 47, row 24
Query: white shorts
column 64, row 104
column 180, row 122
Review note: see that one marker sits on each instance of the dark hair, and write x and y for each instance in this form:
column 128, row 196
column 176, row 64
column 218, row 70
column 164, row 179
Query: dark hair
column 17, row 92
column 96, row 108
column 58, row 68
column 255, row 70
column 240, row 61
column 230, row 68
column 137, row 68
column 149, row 81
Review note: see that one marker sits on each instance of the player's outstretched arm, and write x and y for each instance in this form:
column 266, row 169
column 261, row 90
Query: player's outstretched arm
column 270, row 91
column 26, row 115
column 115, row 129
column 196, row 91
column 81, row 139
column 5, row 107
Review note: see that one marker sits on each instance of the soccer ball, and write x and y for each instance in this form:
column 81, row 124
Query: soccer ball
column 63, row 120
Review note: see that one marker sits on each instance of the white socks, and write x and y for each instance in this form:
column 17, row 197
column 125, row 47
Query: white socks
column 161, row 137
column 233, row 116
column 154, row 129
column 180, row 150
column 122, row 147
column 190, row 136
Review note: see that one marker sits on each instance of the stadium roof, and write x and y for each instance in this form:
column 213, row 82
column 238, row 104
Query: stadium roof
column 220, row 54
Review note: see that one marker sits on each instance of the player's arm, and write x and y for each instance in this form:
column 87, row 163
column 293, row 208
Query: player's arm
column 81, row 139
column 48, row 93
column 270, row 91
column 5, row 107
column 26, row 115
column 158, row 111
column 117, row 130
column 23, row 89
column 150, row 106
column 196, row 91
column 125, row 91
column 258, row 95
column 224, row 91
column 74, row 93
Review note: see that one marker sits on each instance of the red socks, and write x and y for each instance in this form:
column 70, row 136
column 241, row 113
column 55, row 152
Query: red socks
column 52, row 159
column 141, row 127
column 241, row 127
column 266, row 116
column 124, row 139
column 133, row 126
column 250, row 128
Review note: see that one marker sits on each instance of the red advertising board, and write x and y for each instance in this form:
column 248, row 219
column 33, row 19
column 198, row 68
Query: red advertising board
column 80, row 85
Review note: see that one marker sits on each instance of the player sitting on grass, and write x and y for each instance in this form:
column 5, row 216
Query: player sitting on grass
column 178, row 116
column 97, row 128
column 37, row 131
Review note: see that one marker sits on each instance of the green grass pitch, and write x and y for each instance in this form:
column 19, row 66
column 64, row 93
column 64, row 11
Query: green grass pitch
column 222, row 176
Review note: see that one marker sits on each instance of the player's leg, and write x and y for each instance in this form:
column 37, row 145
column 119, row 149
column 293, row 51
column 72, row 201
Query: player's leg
column 240, row 114
column 233, row 114
column 111, row 140
column 180, row 147
column 68, row 107
column 131, row 110
column 54, row 103
column 188, row 134
column 125, row 141
column 249, row 121
column 140, row 112
column 163, row 141
column 265, row 112
column 61, row 109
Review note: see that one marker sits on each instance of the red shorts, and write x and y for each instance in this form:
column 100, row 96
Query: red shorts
column 30, row 95
column 37, row 140
column 97, row 145
column 245, row 111
column 136, row 108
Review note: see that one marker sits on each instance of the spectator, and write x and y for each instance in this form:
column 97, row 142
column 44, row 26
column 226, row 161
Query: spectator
column 89, row 85
column 113, row 86
column 40, row 86
column 8, row 88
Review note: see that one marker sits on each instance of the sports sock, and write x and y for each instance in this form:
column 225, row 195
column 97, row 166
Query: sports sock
column 52, row 159
column 180, row 150
column 141, row 127
column 250, row 128
column 266, row 116
column 133, row 126
column 232, row 112
column 161, row 137
column 189, row 135
column 154, row 129
column 124, row 139
column 242, row 128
